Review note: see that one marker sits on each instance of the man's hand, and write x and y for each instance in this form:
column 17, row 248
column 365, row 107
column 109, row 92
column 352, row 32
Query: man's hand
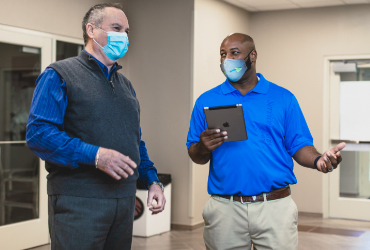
column 330, row 159
column 155, row 193
column 115, row 164
column 210, row 139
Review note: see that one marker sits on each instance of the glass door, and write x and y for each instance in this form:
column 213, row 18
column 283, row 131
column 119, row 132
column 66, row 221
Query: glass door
column 23, row 198
column 349, row 187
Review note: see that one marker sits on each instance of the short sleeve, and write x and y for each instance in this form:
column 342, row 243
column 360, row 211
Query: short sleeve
column 197, row 124
column 297, row 133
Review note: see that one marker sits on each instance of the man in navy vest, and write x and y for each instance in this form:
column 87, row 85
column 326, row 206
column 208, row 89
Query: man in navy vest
column 249, row 180
column 85, row 123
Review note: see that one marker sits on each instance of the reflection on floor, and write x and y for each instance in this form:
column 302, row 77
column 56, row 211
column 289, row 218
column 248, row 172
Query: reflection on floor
column 314, row 234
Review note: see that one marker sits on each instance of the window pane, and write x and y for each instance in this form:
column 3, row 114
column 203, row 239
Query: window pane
column 354, row 174
column 19, row 69
column 66, row 50
column 19, row 178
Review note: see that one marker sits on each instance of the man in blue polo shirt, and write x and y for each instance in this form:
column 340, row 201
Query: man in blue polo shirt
column 249, row 180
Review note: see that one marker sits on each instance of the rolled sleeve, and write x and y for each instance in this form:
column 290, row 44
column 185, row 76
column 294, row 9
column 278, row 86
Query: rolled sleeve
column 197, row 124
column 297, row 133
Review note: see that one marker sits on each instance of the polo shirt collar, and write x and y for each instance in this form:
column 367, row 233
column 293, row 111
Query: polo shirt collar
column 261, row 87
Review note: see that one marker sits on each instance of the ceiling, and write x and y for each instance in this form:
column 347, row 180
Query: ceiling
column 263, row 5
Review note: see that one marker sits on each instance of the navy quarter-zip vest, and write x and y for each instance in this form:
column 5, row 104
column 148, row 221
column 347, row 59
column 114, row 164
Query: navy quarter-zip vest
column 100, row 112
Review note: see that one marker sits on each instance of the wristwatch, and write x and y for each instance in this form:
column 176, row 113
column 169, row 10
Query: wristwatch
column 159, row 184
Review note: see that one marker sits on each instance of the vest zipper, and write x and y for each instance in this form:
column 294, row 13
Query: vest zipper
column 108, row 80
column 112, row 85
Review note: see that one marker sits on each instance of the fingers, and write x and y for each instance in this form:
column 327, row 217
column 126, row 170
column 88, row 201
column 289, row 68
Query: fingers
column 128, row 161
column 209, row 132
column 332, row 159
column 325, row 164
column 339, row 157
column 126, row 168
column 329, row 166
column 115, row 164
column 213, row 134
column 212, row 138
column 114, row 175
column 338, row 148
column 159, row 207
column 160, row 201
column 121, row 172
column 322, row 166
column 150, row 199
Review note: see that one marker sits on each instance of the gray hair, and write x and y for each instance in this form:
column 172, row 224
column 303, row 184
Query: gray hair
column 95, row 15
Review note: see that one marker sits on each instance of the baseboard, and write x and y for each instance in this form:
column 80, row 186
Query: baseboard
column 186, row 227
column 307, row 214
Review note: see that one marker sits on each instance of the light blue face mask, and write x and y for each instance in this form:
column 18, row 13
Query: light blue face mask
column 117, row 45
column 234, row 69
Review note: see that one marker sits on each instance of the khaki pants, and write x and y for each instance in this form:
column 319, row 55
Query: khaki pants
column 229, row 224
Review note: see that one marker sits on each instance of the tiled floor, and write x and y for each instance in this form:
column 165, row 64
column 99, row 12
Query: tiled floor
column 314, row 234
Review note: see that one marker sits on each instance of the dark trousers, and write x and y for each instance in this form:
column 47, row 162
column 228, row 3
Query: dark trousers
column 90, row 223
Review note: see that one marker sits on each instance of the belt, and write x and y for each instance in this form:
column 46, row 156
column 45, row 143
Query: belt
column 273, row 195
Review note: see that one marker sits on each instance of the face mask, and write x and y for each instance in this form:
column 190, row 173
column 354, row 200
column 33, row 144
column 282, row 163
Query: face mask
column 117, row 45
column 234, row 69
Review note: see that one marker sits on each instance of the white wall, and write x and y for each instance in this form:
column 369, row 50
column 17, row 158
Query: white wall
column 159, row 64
column 291, row 46
column 213, row 21
column 169, row 70
column 51, row 16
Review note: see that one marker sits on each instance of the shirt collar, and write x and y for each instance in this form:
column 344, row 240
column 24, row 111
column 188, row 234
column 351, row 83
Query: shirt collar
column 261, row 87
column 101, row 65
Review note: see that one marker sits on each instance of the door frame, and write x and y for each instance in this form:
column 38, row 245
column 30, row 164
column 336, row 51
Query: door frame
column 9, row 234
column 328, row 130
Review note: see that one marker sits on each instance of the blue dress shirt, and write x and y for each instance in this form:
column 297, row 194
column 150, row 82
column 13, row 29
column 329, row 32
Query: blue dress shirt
column 276, row 129
column 45, row 128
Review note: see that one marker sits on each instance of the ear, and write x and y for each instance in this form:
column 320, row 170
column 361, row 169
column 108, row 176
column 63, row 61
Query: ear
column 253, row 56
column 90, row 30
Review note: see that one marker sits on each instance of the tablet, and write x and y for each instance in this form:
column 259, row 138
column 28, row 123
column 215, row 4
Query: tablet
column 227, row 118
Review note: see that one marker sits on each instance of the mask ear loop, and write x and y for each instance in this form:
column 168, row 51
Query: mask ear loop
column 249, row 66
column 94, row 39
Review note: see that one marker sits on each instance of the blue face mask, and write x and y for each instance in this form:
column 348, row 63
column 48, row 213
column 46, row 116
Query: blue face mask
column 234, row 69
column 117, row 45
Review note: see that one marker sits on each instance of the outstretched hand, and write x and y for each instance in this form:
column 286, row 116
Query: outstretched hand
column 330, row 159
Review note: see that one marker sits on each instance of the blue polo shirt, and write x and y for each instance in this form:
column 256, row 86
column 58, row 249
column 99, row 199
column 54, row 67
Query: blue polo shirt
column 276, row 129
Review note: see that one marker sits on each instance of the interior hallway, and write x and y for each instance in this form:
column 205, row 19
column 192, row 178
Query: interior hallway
column 315, row 233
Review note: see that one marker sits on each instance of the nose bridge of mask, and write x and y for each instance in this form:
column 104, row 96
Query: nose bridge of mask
column 116, row 36
column 113, row 36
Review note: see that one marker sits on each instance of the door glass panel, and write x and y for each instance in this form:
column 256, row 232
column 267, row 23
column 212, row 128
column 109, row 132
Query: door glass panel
column 355, row 167
column 19, row 176
column 355, row 174
column 66, row 50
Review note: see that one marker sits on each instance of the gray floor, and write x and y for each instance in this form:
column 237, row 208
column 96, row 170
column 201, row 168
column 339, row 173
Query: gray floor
column 314, row 234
